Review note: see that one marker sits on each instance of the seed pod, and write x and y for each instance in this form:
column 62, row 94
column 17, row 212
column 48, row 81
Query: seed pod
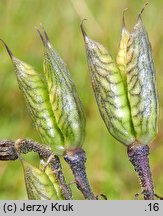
column 109, row 91
column 141, row 84
column 65, row 102
column 38, row 184
column 121, row 56
column 52, row 178
column 34, row 89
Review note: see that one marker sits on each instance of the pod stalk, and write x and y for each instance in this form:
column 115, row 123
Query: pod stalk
column 138, row 156
column 76, row 159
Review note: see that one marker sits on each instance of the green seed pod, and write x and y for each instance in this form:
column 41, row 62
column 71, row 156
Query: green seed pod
column 109, row 91
column 129, row 108
column 121, row 57
column 38, row 184
column 34, row 89
column 141, row 84
column 65, row 102
column 52, row 178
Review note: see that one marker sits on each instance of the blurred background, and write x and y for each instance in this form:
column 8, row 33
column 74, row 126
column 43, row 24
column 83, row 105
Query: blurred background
column 108, row 168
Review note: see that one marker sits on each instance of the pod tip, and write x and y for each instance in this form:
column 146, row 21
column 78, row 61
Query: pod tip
column 123, row 17
column 82, row 28
column 41, row 36
column 139, row 15
column 7, row 48
column 45, row 34
column 44, row 37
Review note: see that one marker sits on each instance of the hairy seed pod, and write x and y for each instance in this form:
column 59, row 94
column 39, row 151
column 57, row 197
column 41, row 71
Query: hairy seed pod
column 141, row 85
column 109, row 91
column 52, row 178
column 38, row 184
column 65, row 102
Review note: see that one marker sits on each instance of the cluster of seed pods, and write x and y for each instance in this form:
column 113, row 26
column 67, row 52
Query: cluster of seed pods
column 126, row 94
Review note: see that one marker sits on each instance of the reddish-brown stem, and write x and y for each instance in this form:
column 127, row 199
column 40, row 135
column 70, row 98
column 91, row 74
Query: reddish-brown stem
column 138, row 156
column 76, row 159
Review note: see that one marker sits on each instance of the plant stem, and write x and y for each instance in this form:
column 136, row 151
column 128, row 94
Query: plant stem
column 9, row 151
column 138, row 156
column 76, row 158
column 57, row 168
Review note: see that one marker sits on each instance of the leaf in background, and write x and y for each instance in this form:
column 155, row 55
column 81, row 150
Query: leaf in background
column 109, row 91
column 141, row 83
column 38, row 184
column 34, row 89
column 65, row 102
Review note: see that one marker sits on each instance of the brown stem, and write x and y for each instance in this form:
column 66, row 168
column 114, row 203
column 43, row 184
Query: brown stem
column 9, row 151
column 57, row 168
column 138, row 156
column 76, row 159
